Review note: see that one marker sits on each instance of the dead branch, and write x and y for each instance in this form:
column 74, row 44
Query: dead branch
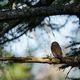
column 71, row 61
column 30, row 60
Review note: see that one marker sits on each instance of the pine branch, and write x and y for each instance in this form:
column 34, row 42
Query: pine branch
column 55, row 9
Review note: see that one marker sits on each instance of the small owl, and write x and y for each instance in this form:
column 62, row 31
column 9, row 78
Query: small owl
column 56, row 50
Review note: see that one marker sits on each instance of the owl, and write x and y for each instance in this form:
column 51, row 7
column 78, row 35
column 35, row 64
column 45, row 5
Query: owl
column 56, row 50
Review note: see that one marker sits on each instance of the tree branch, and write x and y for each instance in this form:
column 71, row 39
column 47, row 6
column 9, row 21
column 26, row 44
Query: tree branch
column 55, row 9
column 71, row 61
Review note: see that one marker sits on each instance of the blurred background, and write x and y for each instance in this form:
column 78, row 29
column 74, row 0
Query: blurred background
column 38, row 44
column 64, row 29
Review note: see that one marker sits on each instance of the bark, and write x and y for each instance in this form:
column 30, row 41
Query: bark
column 55, row 9
column 71, row 61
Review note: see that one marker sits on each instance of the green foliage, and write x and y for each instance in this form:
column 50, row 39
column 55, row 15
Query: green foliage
column 20, row 71
column 14, row 71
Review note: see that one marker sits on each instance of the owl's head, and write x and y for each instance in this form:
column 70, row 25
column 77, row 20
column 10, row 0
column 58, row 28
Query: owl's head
column 55, row 43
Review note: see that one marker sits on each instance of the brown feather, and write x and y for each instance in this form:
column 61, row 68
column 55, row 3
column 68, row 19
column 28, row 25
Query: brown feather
column 56, row 50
